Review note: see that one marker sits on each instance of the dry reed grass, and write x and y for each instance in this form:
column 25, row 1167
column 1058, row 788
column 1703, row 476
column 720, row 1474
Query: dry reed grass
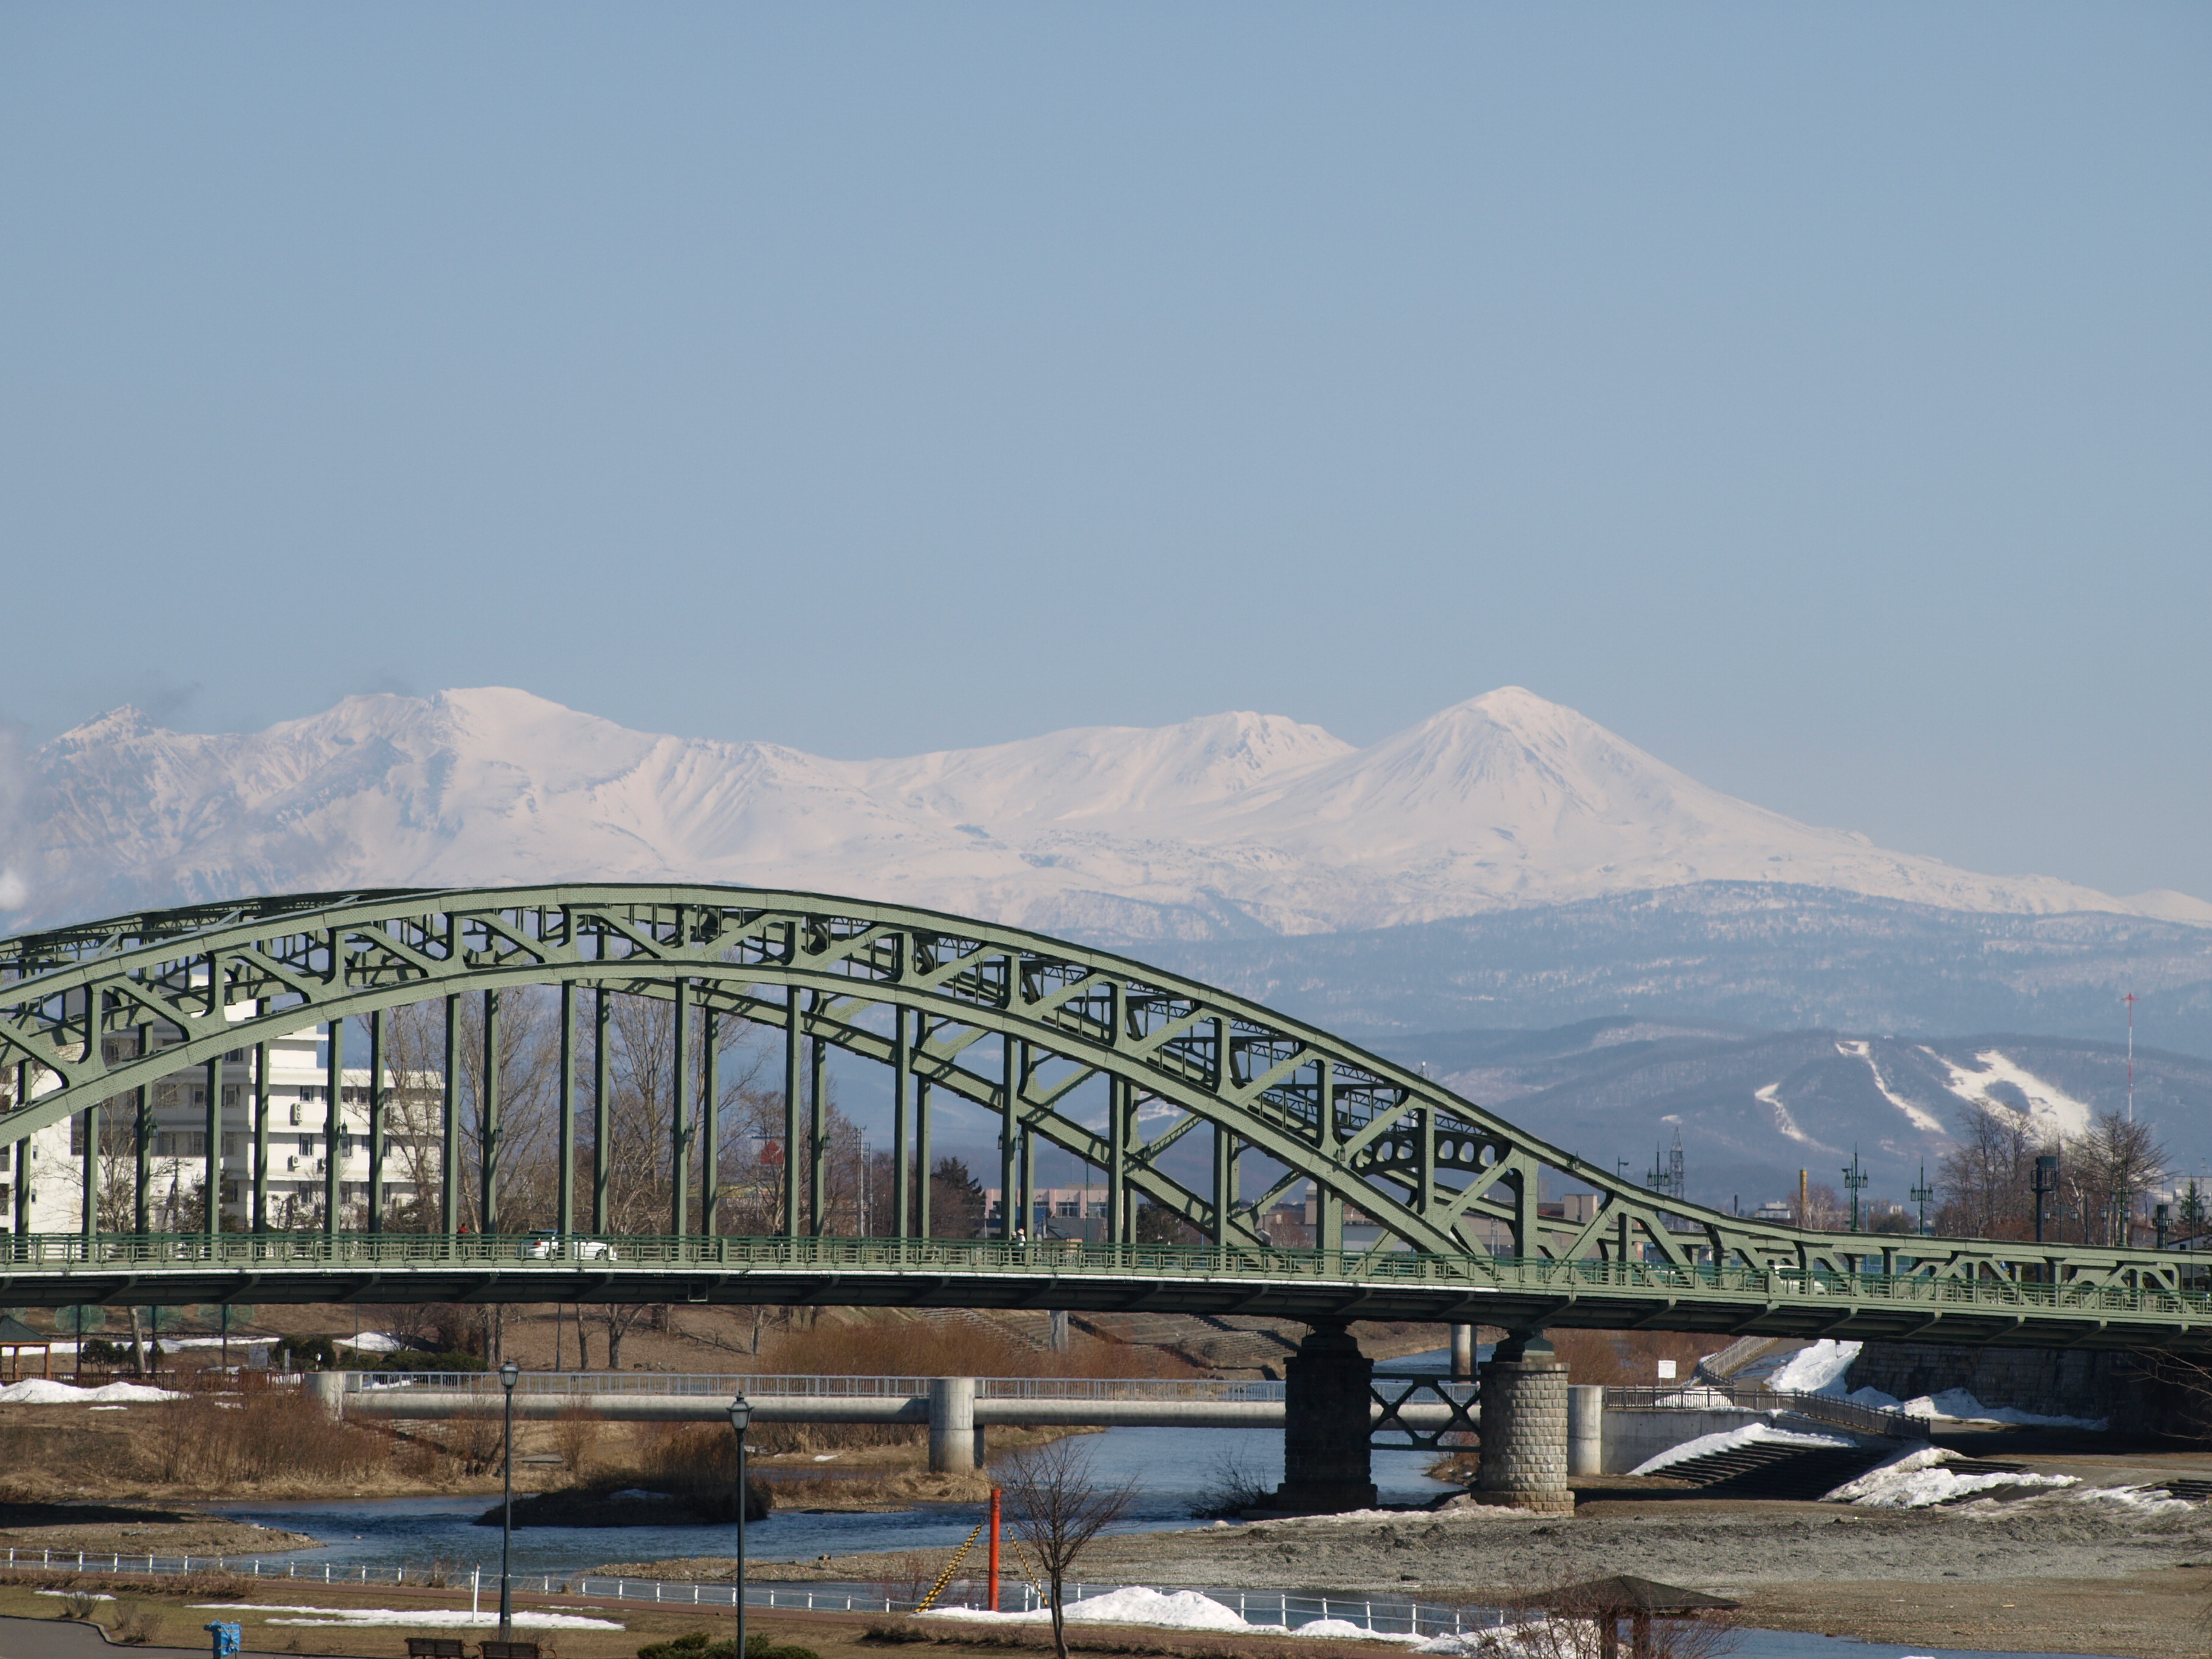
column 262, row 1436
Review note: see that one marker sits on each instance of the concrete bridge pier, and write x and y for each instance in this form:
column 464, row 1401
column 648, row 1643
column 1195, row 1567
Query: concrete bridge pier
column 1524, row 1428
column 956, row 1439
column 1585, row 1428
column 1326, row 1469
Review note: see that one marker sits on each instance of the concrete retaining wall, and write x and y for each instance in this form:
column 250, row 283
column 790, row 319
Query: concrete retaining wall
column 1633, row 1436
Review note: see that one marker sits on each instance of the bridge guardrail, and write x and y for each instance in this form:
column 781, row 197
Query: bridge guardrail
column 66, row 1253
column 591, row 1384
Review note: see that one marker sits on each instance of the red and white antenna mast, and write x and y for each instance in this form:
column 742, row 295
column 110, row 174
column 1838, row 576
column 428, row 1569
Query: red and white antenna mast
column 2130, row 1000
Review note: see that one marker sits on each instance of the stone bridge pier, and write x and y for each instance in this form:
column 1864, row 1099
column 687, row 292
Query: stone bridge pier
column 1524, row 1428
column 1326, row 1468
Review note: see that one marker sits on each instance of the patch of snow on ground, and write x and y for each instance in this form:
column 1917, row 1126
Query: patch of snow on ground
column 1751, row 1434
column 2048, row 1105
column 1917, row 1480
column 1136, row 1605
column 1343, row 1630
column 89, row 1595
column 1454, row 1510
column 1920, row 1120
column 1771, row 1098
column 43, row 1391
column 1817, row 1369
column 342, row 1618
column 2148, row 1500
column 1546, row 1636
column 1179, row 1610
column 1957, row 1404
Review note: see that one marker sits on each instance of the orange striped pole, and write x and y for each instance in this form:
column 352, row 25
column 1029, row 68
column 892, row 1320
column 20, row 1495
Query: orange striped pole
column 994, row 1549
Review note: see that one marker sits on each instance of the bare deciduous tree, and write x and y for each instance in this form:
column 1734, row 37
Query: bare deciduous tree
column 1986, row 1182
column 1057, row 1506
column 2104, row 1174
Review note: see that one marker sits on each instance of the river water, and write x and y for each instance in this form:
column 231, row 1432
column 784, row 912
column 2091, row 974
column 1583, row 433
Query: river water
column 1172, row 1468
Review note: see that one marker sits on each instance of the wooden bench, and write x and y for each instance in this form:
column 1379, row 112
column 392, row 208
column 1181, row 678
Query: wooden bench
column 507, row 1649
column 436, row 1647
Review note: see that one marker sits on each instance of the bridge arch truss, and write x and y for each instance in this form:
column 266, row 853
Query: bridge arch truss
column 1025, row 1026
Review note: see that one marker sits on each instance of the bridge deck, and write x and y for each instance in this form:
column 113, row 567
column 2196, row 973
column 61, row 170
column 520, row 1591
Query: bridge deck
column 65, row 1270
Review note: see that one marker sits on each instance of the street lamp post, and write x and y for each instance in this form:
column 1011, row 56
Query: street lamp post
column 507, row 1374
column 2046, row 1183
column 741, row 1417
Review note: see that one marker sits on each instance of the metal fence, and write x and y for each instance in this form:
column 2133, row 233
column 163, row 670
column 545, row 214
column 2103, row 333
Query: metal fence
column 1268, row 1609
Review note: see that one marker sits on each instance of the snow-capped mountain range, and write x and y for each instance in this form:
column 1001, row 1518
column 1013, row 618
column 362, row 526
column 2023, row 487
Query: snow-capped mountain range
column 1236, row 825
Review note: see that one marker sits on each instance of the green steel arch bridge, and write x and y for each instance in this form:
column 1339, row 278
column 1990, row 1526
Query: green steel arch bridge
column 1064, row 1046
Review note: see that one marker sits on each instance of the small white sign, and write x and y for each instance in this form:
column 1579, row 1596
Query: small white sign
column 1666, row 1370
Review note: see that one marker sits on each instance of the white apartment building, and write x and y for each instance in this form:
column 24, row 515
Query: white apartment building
column 299, row 1116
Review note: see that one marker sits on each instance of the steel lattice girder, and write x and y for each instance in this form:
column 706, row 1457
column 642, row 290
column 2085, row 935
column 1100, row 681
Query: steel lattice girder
column 1416, row 1159
column 68, row 1270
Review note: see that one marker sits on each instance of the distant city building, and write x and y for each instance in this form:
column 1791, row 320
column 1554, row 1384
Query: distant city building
column 299, row 1114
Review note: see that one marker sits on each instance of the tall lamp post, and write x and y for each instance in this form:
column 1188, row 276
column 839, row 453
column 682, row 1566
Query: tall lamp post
column 2046, row 1183
column 507, row 1374
column 741, row 1417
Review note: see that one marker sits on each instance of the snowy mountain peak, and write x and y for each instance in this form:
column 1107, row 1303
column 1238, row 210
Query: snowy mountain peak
column 1234, row 823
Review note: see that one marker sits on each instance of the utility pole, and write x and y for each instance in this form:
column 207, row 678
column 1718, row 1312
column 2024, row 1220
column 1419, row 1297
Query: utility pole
column 2130, row 1000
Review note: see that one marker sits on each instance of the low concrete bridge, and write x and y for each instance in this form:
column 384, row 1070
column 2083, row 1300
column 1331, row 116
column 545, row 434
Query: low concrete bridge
column 1403, row 1411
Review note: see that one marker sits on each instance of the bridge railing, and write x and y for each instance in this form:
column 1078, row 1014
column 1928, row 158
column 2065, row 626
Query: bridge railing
column 1747, row 1396
column 1979, row 1290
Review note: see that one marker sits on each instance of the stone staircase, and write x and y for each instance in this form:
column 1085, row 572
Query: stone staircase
column 1767, row 1468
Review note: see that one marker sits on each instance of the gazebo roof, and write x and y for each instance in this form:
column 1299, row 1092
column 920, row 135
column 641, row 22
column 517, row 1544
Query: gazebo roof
column 15, row 1333
column 1625, row 1593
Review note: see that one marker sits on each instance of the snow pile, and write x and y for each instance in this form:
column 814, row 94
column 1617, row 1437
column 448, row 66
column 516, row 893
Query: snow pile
column 1343, row 1630
column 1751, row 1434
column 1462, row 1507
column 1136, row 1605
column 1959, row 1405
column 1817, row 1369
column 1918, row 1480
column 1547, row 1637
column 350, row 1618
column 89, row 1595
column 1822, row 1368
column 2146, row 1500
column 43, row 1391
column 1181, row 1610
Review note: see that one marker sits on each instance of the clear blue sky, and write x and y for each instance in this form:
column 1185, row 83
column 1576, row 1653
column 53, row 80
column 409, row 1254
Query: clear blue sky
column 1815, row 394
